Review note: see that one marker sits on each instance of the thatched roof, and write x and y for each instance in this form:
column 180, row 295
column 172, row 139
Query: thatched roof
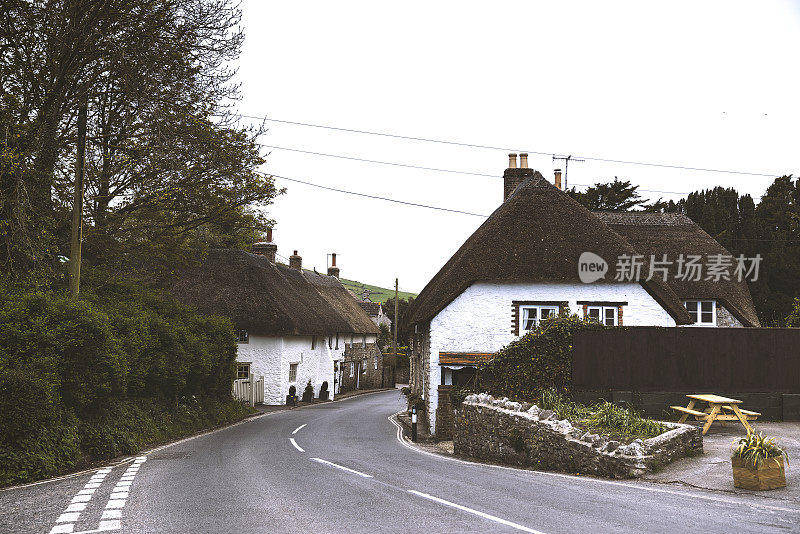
column 674, row 234
column 269, row 299
column 536, row 235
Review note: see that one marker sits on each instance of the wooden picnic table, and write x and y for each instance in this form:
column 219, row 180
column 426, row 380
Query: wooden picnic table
column 717, row 406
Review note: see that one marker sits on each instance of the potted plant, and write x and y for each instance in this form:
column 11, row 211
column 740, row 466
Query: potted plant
column 308, row 393
column 758, row 463
column 323, row 391
column 291, row 398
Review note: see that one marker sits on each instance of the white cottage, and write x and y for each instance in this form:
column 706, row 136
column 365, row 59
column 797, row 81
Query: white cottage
column 521, row 266
column 293, row 325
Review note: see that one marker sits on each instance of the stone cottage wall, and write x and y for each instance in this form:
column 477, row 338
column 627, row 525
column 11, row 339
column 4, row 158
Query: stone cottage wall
column 371, row 378
column 523, row 435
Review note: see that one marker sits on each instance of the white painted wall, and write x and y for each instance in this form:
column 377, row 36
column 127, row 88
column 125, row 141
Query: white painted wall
column 271, row 357
column 480, row 318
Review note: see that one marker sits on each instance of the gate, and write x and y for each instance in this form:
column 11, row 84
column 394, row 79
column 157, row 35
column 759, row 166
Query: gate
column 249, row 390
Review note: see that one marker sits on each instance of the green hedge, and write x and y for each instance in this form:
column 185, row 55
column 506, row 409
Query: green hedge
column 105, row 375
column 539, row 360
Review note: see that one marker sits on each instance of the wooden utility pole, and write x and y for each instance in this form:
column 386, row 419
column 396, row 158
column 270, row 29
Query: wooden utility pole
column 77, row 207
column 396, row 321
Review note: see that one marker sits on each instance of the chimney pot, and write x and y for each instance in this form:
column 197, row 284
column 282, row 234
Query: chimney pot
column 266, row 248
column 296, row 262
column 558, row 178
column 333, row 270
column 523, row 161
column 512, row 161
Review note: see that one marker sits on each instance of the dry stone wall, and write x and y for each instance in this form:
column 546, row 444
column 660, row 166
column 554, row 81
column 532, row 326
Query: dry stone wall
column 521, row 434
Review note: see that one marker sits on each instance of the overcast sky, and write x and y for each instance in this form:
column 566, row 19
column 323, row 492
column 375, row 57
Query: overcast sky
column 696, row 84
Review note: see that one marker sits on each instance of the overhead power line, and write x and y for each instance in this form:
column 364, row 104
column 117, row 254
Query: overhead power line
column 372, row 196
column 490, row 147
column 434, row 169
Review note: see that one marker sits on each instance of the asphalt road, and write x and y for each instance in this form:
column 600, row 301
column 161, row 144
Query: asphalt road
column 339, row 467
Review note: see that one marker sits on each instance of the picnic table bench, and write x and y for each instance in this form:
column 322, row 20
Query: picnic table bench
column 716, row 406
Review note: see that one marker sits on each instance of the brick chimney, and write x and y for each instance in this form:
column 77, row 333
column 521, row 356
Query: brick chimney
column 266, row 248
column 333, row 270
column 296, row 262
column 558, row 178
column 514, row 176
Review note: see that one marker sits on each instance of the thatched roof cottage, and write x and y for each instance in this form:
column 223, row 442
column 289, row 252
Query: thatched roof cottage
column 293, row 325
column 523, row 264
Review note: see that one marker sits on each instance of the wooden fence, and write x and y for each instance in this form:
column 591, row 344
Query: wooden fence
column 688, row 359
column 249, row 390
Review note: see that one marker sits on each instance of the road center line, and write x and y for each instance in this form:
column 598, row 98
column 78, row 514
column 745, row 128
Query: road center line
column 343, row 468
column 296, row 430
column 296, row 446
column 476, row 512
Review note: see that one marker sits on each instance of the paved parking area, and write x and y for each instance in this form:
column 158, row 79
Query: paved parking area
column 712, row 470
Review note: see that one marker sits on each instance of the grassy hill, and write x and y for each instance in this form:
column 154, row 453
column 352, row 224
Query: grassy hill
column 377, row 294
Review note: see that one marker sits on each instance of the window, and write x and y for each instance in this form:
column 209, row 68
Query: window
column 533, row 315
column 606, row 315
column 376, row 363
column 352, row 369
column 364, row 341
column 337, row 340
column 242, row 337
column 364, row 366
column 702, row 312
column 313, row 342
column 330, row 342
column 242, row 371
column 293, row 372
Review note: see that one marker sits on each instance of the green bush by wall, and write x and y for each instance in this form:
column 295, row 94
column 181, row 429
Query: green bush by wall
column 105, row 375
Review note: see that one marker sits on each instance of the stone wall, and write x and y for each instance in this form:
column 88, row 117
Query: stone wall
column 522, row 434
column 444, row 414
column 365, row 359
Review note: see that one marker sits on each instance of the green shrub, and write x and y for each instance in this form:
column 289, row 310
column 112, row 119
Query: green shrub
column 552, row 399
column 622, row 422
column 539, row 360
column 755, row 448
column 458, row 394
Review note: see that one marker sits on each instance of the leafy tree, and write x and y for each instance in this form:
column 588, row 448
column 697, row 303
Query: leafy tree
column 167, row 170
column 403, row 333
column 793, row 320
column 611, row 196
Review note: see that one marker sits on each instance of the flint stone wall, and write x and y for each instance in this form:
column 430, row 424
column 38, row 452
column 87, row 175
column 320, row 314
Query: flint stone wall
column 522, row 434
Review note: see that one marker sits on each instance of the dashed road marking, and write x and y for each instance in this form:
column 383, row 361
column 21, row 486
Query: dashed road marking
column 296, row 430
column 343, row 468
column 112, row 514
column 476, row 512
column 296, row 446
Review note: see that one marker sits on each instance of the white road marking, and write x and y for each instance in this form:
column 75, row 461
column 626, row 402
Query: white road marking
column 476, row 512
column 124, row 483
column 296, row 446
column 296, row 430
column 115, row 503
column 343, row 468
column 76, row 507
column 62, row 529
column 92, row 485
column 81, row 498
column 119, row 495
column 114, row 524
column 68, row 517
column 111, row 514
column 588, row 480
column 87, row 491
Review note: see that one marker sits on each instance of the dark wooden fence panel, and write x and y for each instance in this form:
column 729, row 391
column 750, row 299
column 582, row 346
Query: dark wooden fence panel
column 688, row 359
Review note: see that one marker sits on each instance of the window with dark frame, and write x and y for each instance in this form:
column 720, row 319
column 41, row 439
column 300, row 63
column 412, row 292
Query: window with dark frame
column 313, row 342
column 242, row 336
column 242, row 371
column 293, row 372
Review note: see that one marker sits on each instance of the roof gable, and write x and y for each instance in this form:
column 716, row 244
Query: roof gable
column 536, row 235
column 674, row 234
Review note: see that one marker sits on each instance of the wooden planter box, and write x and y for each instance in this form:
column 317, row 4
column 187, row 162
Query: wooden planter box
column 770, row 475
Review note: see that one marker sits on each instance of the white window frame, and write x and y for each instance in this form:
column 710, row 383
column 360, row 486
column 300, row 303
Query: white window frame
column 376, row 363
column 603, row 314
column 698, row 312
column 524, row 311
column 293, row 367
column 239, row 367
column 364, row 366
column 352, row 369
